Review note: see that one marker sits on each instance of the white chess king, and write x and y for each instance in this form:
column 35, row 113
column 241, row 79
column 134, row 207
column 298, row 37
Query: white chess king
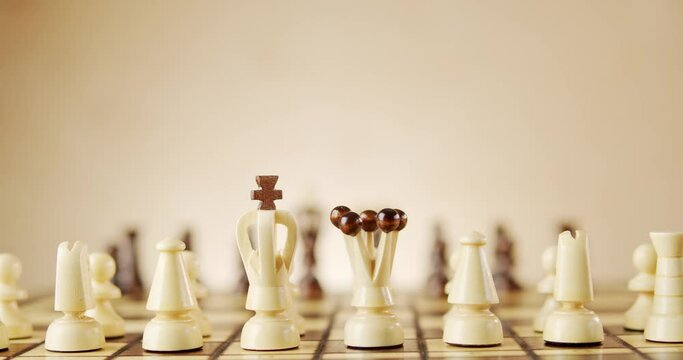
column 374, row 324
column 74, row 331
column 267, row 269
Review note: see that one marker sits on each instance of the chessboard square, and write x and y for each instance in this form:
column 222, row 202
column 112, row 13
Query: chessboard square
column 537, row 343
column 374, row 356
column 15, row 348
column 137, row 350
column 338, row 347
column 481, row 355
column 170, row 356
column 582, row 351
column 275, row 355
column 526, row 331
column 108, row 349
column 38, row 337
column 438, row 345
column 336, row 334
column 305, row 347
column 409, row 333
column 431, row 322
column 639, row 341
column 599, row 356
column 59, row 357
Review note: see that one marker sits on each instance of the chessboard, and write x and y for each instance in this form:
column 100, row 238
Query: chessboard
column 421, row 318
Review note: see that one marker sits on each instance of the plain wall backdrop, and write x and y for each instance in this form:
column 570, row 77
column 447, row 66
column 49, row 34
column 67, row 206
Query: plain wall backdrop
column 159, row 114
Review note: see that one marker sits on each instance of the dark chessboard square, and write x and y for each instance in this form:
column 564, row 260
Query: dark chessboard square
column 16, row 348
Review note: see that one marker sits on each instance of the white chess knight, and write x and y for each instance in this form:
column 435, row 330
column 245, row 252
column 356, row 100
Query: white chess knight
column 267, row 267
column 73, row 296
column 572, row 323
column 198, row 290
column 170, row 297
column 470, row 322
column 665, row 323
column 103, row 268
column 18, row 326
column 547, row 286
column 645, row 260
column 374, row 324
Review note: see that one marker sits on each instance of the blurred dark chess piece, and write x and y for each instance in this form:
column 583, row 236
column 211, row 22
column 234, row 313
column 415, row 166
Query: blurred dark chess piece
column 505, row 261
column 436, row 283
column 127, row 276
column 187, row 239
column 309, row 223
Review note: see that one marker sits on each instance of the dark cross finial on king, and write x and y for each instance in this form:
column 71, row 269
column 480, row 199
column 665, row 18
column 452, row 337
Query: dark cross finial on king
column 267, row 194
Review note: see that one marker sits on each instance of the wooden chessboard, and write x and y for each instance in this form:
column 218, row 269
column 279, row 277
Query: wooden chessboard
column 421, row 318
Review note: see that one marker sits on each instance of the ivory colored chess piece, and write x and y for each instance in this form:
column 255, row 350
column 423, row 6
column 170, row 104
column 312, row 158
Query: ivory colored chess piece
column 291, row 293
column 645, row 260
column 267, row 270
column 665, row 323
column 74, row 332
column 18, row 326
column 453, row 264
column 172, row 329
column 198, row 290
column 572, row 323
column 547, row 286
column 471, row 322
column 103, row 268
column 374, row 324
column 4, row 338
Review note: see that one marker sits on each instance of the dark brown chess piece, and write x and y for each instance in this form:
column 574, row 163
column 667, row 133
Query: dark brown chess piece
column 309, row 223
column 504, row 262
column 127, row 276
column 436, row 283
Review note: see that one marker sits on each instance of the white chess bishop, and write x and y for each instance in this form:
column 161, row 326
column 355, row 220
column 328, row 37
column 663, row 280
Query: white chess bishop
column 645, row 260
column 267, row 268
column 547, row 287
column 470, row 322
column 103, row 268
column 74, row 332
column 170, row 297
column 665, row 323
column 198, row 290
column 572, row 323
column 18, row 326
column 374, row 325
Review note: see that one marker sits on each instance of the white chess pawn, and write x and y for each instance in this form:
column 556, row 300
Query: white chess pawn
column 267, row 270
column 665, row 323
column 547, row 286
column 198, row 290
column 18, row 326
column 374, row 324
column 172, row 329
column 103, row 268
column 74, row 332
column 645, row 260
column 470, row 322
column 572, row 323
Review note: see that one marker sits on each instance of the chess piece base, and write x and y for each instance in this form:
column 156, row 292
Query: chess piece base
column 74, row 333
column 472, row 327
column 549, row 306
column 373, row 328
column 167, row 333
column 636, row 316
column 18, row 327
column 573, row 326
column 298, row 322
column 664, row 328
column 269, row 331
column 112, row 323
column 4, row 339
column 202, row 321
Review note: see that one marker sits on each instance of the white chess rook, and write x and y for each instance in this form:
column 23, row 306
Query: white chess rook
column 199, row 291
column 645, row 260
column 74, row 332
column 172, row 329
column 547, row 287
column 572, row 323
column 18, row 326
column 470, row 322
column 374, row 325
column 665, row 324
column 268, row 272
column 103, row 268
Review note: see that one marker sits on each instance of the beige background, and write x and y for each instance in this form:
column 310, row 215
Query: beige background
column 160, row 113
